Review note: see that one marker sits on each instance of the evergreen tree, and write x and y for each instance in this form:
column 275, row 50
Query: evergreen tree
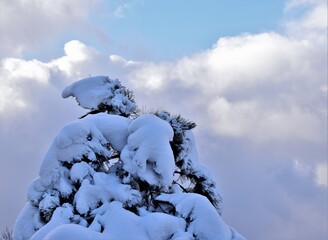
column 116, row 168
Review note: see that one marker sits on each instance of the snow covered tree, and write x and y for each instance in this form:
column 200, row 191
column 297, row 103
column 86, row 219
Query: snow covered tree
column 117, row 174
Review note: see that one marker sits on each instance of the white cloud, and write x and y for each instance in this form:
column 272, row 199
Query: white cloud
column 27, row 25
column 76, row 54
column 22, row 69
column 263, row 87
column 240, row 61
column 258, row 122
column 317, row 18
column 120, row 60
column 312, row 23
column 122, row 10
column 76, row 51
column 290, row 4
column 15, row 74
column 19, row 78
column 322, row 174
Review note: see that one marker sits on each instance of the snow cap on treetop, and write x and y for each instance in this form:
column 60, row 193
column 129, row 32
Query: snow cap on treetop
column 103, row 95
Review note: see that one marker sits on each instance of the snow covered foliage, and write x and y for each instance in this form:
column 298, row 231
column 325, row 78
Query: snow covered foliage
column 116, row 175
column 148, row 155
column 186, row 159
column 102, row 94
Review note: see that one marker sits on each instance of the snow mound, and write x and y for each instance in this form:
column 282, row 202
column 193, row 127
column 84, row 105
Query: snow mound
column 26, row 222
column 203, row 220
column 88, row 137
column 148, row 155
column 124, row 226
column 195, row 218
column 73, row 231
column 105, row 187
column 62, row 215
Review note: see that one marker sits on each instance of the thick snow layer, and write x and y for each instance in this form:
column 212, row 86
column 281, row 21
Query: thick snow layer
column 205, row 222
column 164, row 226
column 81, row 171
column 25, row 224
column 118, row 224
column 62, row 215
column 80, row 138
column 85, row 136
column 106, row 187
column 72, row 232
column 148, row 154
column 114, row 128
column 88, row 136
column 91, row 92
column 195, row 217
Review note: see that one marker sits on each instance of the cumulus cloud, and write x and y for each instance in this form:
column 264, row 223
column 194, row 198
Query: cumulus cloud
column 263, row 87
column 259, row 122
column 27, row 25
column 15, row 74
column 19, row 77
column 312, row 23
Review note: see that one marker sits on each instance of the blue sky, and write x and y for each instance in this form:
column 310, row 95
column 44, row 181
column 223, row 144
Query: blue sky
column 172, row 29
column 252, row 74
column 167, row 30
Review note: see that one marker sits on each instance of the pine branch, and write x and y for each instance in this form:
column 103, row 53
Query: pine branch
column 7, row 234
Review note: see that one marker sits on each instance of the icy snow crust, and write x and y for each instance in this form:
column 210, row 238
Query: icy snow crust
column 110, row 177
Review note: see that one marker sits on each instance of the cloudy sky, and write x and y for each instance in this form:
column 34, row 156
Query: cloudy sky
column 252, row 74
